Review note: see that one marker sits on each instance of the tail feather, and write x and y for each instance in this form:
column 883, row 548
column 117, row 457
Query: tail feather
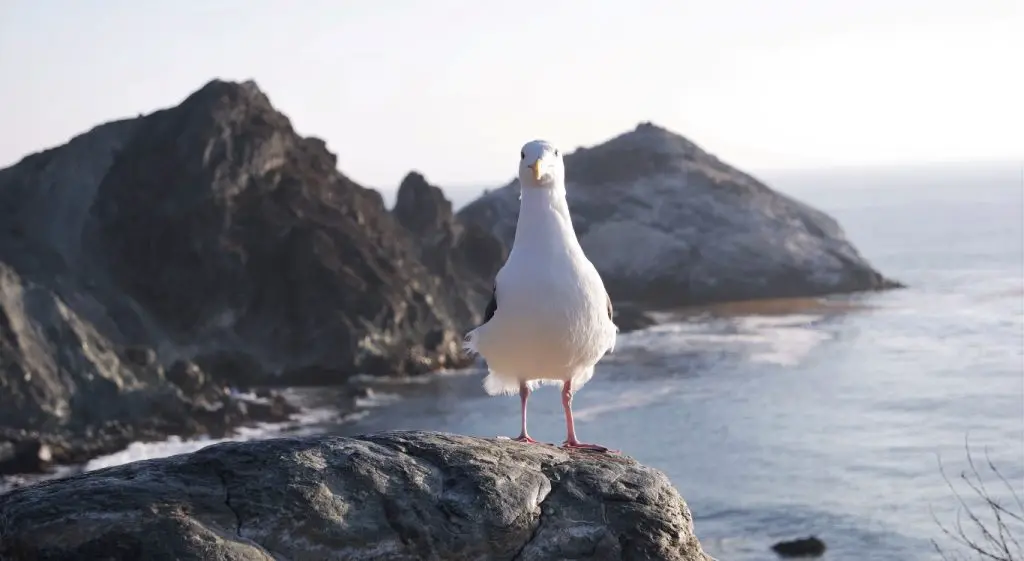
column 496, row 384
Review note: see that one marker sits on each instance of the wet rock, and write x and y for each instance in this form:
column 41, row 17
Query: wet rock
column 668, row 224
column 29, row 456
column 631, row 318
column 187, row 375
column 236, row 369
column 810, row 546
column 140, row 356
column 65, row 387
column 401, row 495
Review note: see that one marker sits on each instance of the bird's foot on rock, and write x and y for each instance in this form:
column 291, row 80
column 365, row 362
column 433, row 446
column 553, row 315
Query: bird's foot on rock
column 525, row 438
column 568, row 445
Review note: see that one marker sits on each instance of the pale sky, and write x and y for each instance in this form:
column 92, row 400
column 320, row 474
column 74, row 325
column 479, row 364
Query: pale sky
column 454, row 88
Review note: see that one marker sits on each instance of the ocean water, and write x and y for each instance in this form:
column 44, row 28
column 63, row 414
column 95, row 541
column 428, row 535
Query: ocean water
column 783, row 419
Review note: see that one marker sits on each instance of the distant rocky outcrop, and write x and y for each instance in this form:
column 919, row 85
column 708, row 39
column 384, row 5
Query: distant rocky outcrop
column 391, row 496
column 149, row 263
column 668, row 224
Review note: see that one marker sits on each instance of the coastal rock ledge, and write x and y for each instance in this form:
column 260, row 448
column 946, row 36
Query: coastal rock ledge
column 387, row 496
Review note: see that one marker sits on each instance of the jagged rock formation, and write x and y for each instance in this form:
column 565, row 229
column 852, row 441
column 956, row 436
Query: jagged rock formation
column 246, row 240
column 391, row 496
column 149, row 262
column 68, row 393
column 466, row 254
column 668, row 224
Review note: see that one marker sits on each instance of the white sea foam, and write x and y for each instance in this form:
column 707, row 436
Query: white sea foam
column 376, row 399
column 175, row 445
column 787, row 340
column 410, row 380
column 627, row 400
column 784, row 340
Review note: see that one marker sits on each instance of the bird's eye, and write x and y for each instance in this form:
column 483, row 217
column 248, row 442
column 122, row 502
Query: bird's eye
column 522, row 155
column 556, row 153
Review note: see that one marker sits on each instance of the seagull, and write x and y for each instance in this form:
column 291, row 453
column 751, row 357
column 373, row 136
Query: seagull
column 549, row 320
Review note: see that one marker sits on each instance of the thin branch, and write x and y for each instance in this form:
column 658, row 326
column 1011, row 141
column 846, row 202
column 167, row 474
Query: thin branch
column 994, row 539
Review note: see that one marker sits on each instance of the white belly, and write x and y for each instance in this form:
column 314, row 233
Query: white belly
column 551, row 324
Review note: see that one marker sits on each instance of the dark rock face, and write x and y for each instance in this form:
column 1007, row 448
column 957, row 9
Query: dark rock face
column 466, row 254
column 630, row 318
column 30, row 456
column 668, row 224
column 810, row 546
column 245, row 238
column 392, row 496
column 150, row 263
column 67, row 389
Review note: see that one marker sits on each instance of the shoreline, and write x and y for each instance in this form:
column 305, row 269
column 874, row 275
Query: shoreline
column 35, row 456
column 348, row 402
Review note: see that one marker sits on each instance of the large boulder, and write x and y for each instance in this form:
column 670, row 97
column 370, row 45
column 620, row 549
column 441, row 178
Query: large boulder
column 392, row 496
column 668, row 224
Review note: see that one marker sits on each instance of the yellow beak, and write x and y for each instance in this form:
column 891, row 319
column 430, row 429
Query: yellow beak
column 538, row 170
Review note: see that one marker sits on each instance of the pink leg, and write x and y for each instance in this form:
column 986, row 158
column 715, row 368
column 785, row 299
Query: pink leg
column 571, row 441
column 524, row 394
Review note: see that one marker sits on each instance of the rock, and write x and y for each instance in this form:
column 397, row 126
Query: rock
column 140, row 356
column 466, row 254
column 65, row 388
column 391, row 496
column 212, row 239
column 276, row 259
column 805, row 547
column 668, row 224
column 277, row 256
column 630, row 318
column 235, row 368
column 186, row 375
column 30, row 456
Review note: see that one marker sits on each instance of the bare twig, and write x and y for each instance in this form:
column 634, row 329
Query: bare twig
column 991, row 532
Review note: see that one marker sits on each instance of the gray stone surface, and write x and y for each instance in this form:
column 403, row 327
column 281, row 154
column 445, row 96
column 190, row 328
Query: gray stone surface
column 390, row 496
column 668, row 224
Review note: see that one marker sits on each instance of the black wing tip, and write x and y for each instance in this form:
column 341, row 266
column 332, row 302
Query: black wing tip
column 492, row 306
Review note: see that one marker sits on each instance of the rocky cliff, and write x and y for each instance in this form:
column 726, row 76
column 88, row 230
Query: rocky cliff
column 150, row 262
column 392, row 496
column 668, row 224
column 468, row 256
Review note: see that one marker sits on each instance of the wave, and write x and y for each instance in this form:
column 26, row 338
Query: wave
column 779, row 340
column 176, row 445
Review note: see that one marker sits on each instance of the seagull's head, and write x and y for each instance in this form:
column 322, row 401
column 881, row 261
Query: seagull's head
column 540, row 165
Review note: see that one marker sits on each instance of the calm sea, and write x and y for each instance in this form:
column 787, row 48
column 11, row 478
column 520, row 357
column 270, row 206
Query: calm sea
column 807, row 417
